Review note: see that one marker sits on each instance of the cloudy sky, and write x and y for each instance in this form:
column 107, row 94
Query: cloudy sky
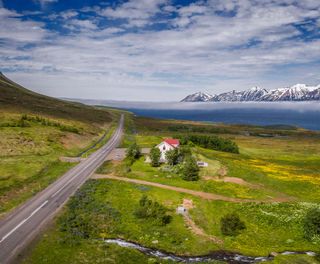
column 158, row 50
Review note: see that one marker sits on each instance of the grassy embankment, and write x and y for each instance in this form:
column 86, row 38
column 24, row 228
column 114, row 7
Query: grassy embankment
column 36, row 130
column 275, row 163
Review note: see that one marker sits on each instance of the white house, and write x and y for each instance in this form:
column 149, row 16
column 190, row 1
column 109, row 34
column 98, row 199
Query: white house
column 166, row 145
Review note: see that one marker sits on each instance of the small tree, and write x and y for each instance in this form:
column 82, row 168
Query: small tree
column 231, row 225
column 185, row 152
column 155, row 155
column 133, row 151
column 172, row 156
column 311, row 224
column 190, row 170
column 152, row 209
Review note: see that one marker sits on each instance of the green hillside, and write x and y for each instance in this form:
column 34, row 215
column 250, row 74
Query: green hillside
column 15, row 97
column 35, row 131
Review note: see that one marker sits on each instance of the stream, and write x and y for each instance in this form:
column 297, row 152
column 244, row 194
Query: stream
column 221, row 255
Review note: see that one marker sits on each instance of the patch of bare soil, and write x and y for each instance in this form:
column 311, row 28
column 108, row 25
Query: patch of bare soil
column 199, row 231
column 222, row 171
column 187, row 204
column 70, row 140
column 234, row 180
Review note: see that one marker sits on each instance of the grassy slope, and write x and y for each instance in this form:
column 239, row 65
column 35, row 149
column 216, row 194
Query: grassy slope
column 29, row 157
column 14, row 97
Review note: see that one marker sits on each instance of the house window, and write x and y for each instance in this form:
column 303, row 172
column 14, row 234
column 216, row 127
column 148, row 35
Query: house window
column 164, row 148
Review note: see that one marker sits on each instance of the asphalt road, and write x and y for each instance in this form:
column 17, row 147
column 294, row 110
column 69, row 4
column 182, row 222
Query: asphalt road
column 19, row 228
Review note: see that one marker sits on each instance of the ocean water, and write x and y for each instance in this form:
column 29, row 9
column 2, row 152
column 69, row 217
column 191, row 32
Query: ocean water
column 306, row 119
column 300, row 114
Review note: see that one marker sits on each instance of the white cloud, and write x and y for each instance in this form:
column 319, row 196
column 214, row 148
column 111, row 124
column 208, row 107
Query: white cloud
column 44, row 2
column 137, row 12
column 68, row 14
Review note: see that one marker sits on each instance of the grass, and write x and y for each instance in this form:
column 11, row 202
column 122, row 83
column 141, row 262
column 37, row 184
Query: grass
column 270, row 227
column 143, row 171
column 17, row 190
column 274, row 227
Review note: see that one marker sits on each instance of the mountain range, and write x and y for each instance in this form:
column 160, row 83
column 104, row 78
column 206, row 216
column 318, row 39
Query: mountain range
column 297, row 92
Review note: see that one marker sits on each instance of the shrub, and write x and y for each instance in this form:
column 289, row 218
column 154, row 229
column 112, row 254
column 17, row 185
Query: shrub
column 152, row 210
column 185, row 151
column 23, row 122
column 231, row 225
column 210, row 142
column 155, row 157
column 311, row 224
column 86, row 215
column 190, row 170
column 133, row 151
column 172, row 156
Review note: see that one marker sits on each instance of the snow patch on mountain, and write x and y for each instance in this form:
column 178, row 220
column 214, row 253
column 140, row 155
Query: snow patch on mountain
column 198, row 97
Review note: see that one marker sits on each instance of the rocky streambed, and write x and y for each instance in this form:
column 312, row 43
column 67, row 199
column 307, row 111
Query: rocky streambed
column 227, row 256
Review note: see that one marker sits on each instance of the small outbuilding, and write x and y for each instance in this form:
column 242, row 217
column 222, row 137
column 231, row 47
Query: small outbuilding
column 202, row 164
column 181, row 210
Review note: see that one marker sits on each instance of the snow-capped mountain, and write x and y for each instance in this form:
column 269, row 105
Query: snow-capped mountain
column 297, row 92
column 252, row 94
column 197, row 97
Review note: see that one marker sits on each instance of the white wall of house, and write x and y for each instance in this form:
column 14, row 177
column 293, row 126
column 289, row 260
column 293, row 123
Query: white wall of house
column 164, row 147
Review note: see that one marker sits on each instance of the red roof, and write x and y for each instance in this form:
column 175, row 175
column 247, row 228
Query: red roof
column 172, row 141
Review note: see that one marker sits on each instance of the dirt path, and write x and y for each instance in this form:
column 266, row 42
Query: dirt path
column 234, row 180
column 204, row 195
column 198, row 231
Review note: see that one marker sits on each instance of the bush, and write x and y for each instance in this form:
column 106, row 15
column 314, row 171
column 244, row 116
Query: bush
column 86, row 216
column 172, row 156
column 155, row 155
column 185, row 151
column 210, row 142
column 190, row 170
column 133, row 151
column 23, row 122
column 311, row 224
column 151, row 209
column 231, row 225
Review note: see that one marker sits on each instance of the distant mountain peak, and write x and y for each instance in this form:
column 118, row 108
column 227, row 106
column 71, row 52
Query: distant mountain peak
column 256, row 88
column 197, row 97
column 297, row 92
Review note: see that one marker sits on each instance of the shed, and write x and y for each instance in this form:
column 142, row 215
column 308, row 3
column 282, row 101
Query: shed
column 181, row 210
column 202, row 164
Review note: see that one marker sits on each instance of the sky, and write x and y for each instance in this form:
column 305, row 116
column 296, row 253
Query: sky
column 158, row 50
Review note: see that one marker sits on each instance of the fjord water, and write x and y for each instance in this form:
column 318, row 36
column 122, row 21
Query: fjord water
column 308, row 120
column 301, row 114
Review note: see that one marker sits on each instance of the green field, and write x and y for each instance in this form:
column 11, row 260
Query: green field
column 280, row 174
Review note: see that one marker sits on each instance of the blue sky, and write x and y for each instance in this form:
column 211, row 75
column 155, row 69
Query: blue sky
column 158, row 50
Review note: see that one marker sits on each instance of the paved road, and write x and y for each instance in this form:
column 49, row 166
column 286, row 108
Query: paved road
column 23, row 224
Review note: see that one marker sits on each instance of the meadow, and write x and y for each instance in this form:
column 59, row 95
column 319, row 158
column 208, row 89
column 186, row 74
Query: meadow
column 278, row 173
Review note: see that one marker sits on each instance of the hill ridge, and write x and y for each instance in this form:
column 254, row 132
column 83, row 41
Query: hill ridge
column 16, row 98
